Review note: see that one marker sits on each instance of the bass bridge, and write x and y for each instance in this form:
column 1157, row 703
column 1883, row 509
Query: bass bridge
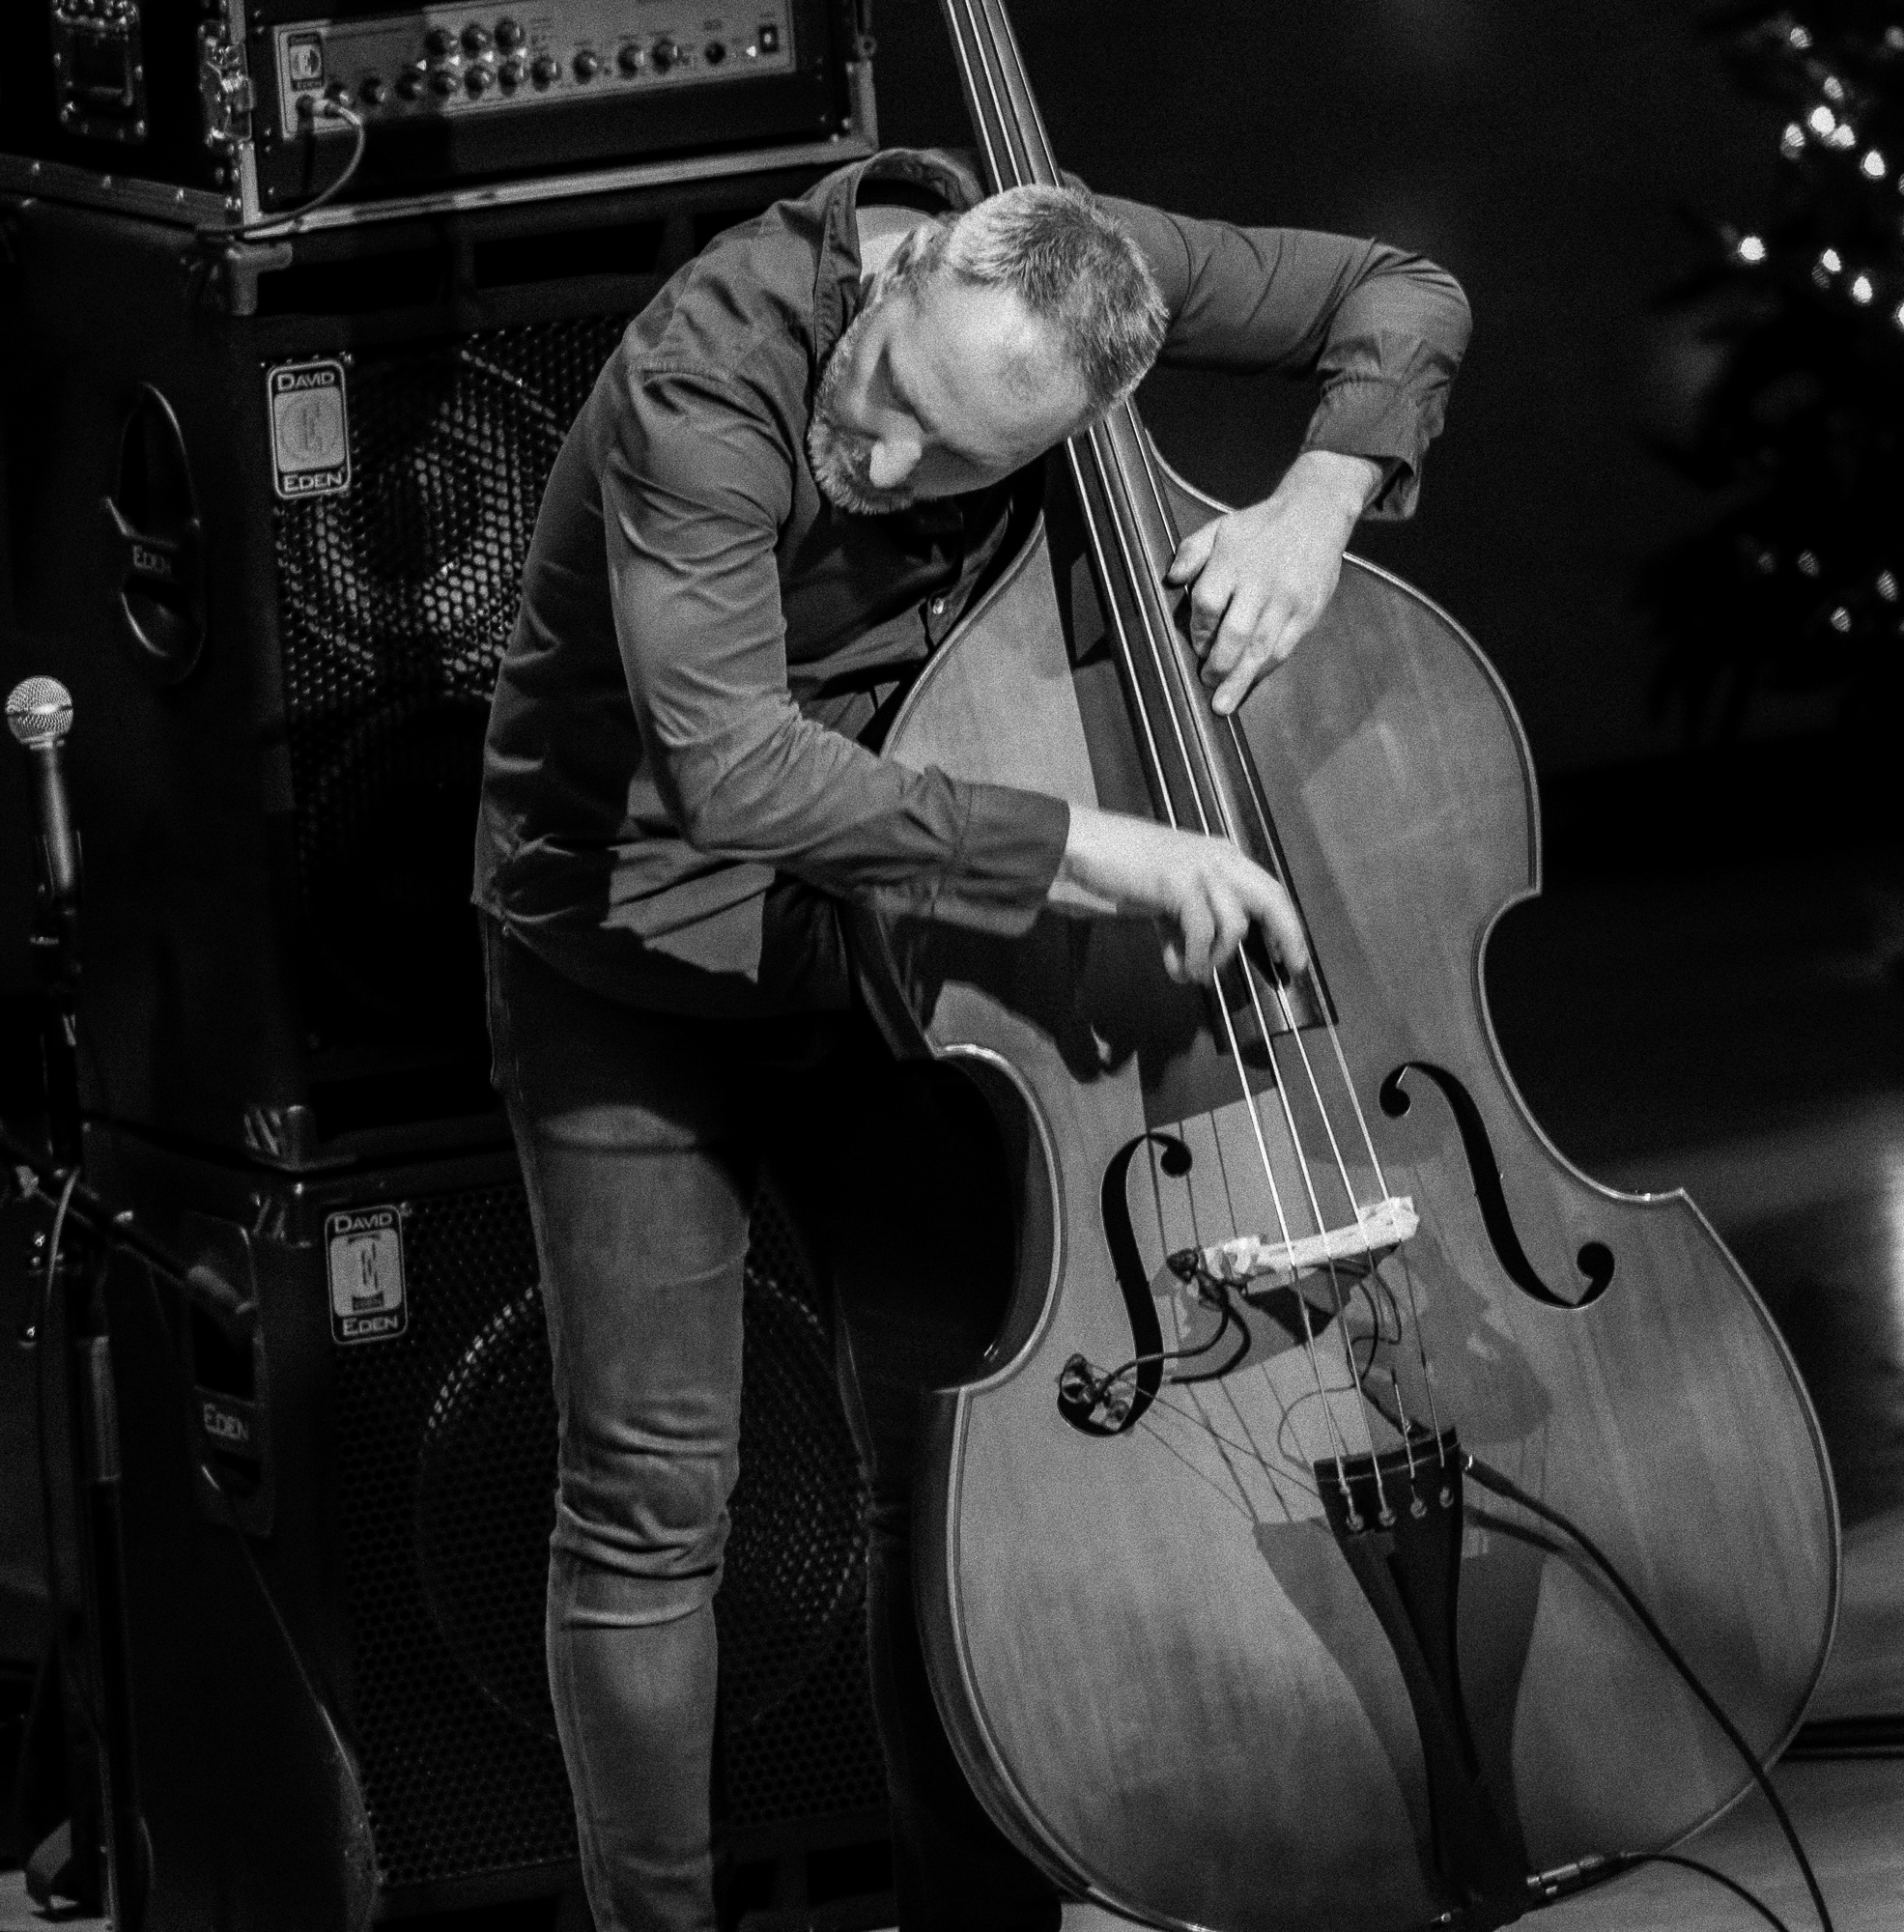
column 1258, row 1264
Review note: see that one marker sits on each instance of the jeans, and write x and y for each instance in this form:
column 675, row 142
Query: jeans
column 643, row 1139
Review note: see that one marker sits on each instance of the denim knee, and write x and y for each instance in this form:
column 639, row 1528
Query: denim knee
column 584, row 1594
column 640, row 1536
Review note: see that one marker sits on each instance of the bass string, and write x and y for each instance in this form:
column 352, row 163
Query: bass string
column 1027, row 113
column 1128, row 650
column 997, row 75
column 965, row 46
column 1023, row 167
column 1333, row 1033
column 1140, row 443
column 1224, row 1390
column 1232, row 1043
column 989, row 61
column 1160, row 503
column 1140, row 571
column 1027, row 110
column 980, row 66
column 1152, row 619
column 1166, row 523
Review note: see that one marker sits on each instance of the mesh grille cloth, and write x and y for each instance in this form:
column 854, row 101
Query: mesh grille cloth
column 396, row 600
column 445, row 1446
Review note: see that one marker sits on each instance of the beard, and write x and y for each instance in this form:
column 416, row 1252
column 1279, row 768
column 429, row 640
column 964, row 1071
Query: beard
column 840, row 458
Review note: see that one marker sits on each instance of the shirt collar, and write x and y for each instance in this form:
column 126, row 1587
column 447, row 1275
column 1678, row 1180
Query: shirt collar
column 837, row 292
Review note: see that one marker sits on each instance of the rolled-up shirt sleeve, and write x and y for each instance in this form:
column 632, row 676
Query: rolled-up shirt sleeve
column 695, row 486
column 1380, row 331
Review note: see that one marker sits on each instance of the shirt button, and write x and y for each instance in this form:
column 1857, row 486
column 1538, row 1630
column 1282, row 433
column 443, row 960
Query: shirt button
column 937, row 607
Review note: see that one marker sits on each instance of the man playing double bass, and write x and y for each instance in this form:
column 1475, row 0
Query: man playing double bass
column 777, row 503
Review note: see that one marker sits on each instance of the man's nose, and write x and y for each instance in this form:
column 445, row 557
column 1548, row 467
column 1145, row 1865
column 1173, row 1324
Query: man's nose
column 892, row 460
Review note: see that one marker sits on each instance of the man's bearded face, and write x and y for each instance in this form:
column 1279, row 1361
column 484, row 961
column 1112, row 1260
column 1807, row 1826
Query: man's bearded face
column 841, row 457
column 935, row 389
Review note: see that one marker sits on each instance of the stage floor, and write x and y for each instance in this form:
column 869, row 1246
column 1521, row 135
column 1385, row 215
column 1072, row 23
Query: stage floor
column 1849, row 1815
column 1849, row 1812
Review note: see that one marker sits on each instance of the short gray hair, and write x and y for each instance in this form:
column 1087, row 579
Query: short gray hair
column 1071, row 266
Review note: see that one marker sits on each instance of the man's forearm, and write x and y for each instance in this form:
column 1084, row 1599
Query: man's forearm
column 1335, row 480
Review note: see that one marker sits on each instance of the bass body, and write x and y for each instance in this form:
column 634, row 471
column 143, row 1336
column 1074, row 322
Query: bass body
column 1161, row 1674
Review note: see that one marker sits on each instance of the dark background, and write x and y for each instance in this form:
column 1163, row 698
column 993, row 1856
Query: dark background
column 1542, row 154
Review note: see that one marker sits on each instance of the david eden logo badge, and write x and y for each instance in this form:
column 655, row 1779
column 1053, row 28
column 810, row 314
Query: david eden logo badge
column 310, row 429
column 364, row 1249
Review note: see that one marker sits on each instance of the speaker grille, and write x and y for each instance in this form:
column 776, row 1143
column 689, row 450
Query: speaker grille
column 455, row 1785
column 396, row 601
column 446, row 1453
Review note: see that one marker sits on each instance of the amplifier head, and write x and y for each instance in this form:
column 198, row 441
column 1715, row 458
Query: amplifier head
column 215, row 112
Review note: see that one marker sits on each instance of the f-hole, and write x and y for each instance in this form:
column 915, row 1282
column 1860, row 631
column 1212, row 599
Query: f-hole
column 1595, row 1258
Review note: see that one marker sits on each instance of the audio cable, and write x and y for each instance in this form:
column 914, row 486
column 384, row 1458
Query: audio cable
column 287, row 222
column 202, row 1288
column 1492, row 1480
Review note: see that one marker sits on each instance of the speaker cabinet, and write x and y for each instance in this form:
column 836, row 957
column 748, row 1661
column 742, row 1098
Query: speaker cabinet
column 267, row 514
column 386, row 1454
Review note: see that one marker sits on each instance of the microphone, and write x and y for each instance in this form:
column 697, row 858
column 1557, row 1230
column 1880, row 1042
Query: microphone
column 40, row 715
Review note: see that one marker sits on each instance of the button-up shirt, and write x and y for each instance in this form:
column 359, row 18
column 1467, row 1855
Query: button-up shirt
column 680, row 781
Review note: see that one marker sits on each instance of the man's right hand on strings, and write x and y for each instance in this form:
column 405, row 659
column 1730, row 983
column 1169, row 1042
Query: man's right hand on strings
column 1206, row 893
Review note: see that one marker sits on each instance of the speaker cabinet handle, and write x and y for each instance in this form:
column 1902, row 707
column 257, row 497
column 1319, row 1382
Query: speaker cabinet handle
column 153, row 517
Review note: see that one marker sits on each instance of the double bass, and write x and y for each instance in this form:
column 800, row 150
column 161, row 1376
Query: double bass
column 1246, row 1577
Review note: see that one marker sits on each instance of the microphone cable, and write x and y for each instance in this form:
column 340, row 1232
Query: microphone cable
column 43, row 1326
column 196, row 1286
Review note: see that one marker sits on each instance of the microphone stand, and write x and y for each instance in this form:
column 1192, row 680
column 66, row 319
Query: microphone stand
column 39, row 712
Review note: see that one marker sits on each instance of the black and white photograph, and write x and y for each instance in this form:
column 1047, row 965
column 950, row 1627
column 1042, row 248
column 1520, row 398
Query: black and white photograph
column 952, row 966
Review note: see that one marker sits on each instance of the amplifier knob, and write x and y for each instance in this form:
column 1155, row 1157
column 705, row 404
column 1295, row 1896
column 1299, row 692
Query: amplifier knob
column 410, row 83
column 443, row 80
column 508, row 36
column 545, row 69
column 629, row 59
column 480, row 78
column 714, row 53
column 587, row 65
column 439, row 41
column 664, row 54
column 371, row 90
column 476, row 39
column 510, row 74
